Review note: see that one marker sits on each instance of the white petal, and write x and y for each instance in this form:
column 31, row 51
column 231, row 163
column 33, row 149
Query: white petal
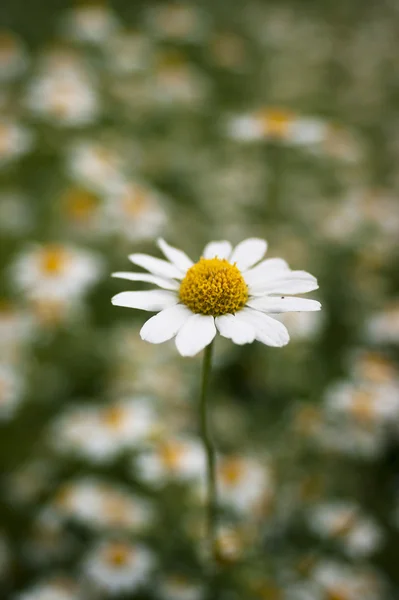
column 197, row 332
column 279, row 304
column 217, row 250
column 153, row 300
column 248, row 252
column 167, row 284
column 177, row 257
column 271, row 267
column 232, row 328
column 157, row 266
column 293, row 282
column 165, row 325
column 268, row 330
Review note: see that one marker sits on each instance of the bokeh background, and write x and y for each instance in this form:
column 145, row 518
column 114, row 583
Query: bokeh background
column 127, row 120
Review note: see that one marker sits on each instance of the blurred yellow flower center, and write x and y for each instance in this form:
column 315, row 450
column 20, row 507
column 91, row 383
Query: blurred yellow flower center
column 53, row 260
column 118, row 555
column 214, row 287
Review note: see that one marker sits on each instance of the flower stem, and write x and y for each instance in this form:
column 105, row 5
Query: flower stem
column 206, row 436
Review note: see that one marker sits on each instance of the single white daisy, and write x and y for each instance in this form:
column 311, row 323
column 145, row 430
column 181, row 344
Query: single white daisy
column 119, row 567
column 227, row 290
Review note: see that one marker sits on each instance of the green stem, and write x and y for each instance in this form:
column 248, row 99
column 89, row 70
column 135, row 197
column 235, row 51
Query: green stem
column 211, row 506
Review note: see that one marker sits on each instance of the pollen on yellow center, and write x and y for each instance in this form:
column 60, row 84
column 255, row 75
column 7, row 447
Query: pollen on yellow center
column 214, row 287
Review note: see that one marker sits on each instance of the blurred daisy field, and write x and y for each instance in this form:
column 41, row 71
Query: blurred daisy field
column 124, row 122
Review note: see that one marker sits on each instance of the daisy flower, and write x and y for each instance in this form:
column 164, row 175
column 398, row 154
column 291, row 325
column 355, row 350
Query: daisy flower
column 119, row 567
column 227, row 290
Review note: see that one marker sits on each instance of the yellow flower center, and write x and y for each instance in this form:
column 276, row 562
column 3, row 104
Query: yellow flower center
column 118, row 554
column 53, row 260
column 214, row 287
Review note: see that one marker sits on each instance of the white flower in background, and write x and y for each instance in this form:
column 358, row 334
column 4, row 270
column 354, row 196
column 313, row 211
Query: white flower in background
column 89, row 23
column 13, row 60
column 344, row 522
column 135, row 211
column 55, row 271
column 66, row 97
column 97, row 165
column 383, row 327
column 179, row 459
column 81, row 209
column 175, row 82
column 179, row 587
column 351, row 438
column 100, row 434
column 117, row 567
column 15, row 141
column 99, row 504
column 230, row 543
column 277, row 124
column 11, row 390
column 371, row 366
column 227, row 290
column 53, row 589
column 369, row 403
column 244, row 483
column 343, row 582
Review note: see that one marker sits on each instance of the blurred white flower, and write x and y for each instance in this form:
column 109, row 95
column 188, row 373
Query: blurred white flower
column 277, row 124
column 344, row 522
column 180, row 458
column 54, row 588
column 65, row 97
column 118, row 567
column 366, row 403
column 383, row 327
column 179, row 587
column 15, row 141
column 100, row 433
column 99, row 166
column 361, row 440
column 98, row 504
column 81, row 209
column 343, row 582
column 371, row 366
column 92, row 23
column 135, row 212
column 175, row 82
column 55, row 272
column 244, row 484
column 226, row 290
